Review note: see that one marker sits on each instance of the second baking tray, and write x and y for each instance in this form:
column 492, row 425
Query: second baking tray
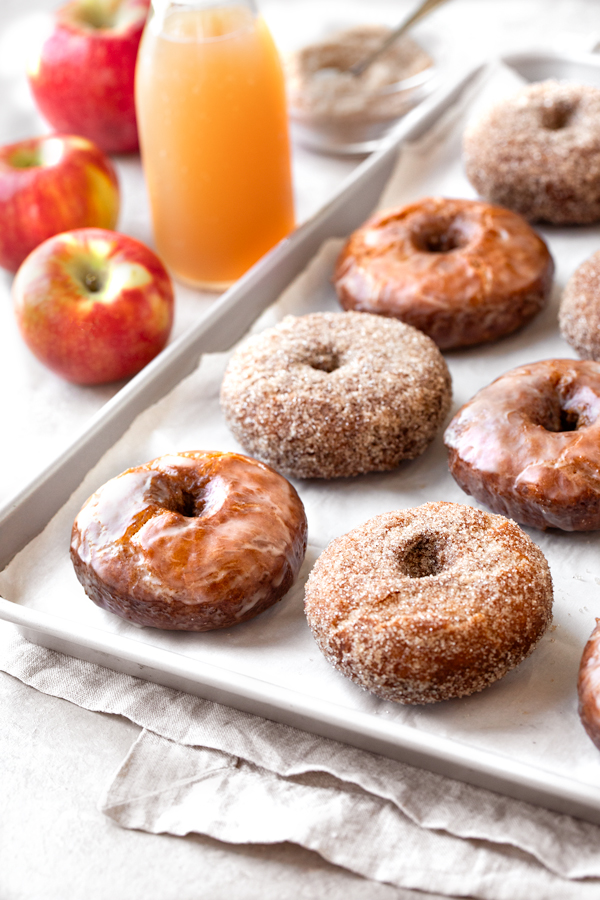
column 270, row 666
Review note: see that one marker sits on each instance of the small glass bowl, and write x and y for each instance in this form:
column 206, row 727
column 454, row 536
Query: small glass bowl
column 334, row 112
column 362, row 133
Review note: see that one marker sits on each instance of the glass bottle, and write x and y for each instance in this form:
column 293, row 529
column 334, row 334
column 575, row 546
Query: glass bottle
column 210, row 100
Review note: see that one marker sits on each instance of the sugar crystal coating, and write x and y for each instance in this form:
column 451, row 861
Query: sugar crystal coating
column 579, row 314
column 431, row 603
column 336, row 394
column 538, row 153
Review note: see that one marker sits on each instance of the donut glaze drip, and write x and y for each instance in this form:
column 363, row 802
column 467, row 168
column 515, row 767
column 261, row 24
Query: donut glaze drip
column 538, row 153
column 430, row 603
column 588, row 686
column 462, row 271
column 528, row 445
column 336, row 394
column 194, row 541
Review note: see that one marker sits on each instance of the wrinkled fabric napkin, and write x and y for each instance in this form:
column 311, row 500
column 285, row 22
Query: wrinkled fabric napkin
column 200, row 767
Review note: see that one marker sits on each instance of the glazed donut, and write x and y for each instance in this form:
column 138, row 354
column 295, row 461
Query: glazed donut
column 190, row 542
column 579, row 313
column 462, row 271
column 336, row 394
column 430, row 603
column 538, row 153
column 588, row 686
column 528, row 445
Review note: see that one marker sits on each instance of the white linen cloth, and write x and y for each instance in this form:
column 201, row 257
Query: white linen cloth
column 201, row 767
column 198, row 766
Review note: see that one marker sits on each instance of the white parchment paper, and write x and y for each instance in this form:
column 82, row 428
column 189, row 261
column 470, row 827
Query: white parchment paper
column 530, row 715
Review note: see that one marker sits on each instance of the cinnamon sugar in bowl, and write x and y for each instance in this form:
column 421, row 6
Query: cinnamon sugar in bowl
column 334, row 111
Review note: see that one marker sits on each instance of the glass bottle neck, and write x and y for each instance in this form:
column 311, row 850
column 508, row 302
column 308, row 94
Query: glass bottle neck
column 159, row 7
column 201, row 20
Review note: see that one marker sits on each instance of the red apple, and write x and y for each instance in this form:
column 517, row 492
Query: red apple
column 93, row 305
column 82, row 79
column 52, row 184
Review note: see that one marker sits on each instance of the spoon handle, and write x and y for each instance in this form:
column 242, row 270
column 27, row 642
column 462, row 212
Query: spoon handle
column 426, row 7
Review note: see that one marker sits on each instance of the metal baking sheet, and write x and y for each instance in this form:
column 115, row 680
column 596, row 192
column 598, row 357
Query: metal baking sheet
column 342, row 711
column 229, row 318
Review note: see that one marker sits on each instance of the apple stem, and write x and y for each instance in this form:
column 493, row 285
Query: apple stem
column 98, row 15
column 25, row 158
column 92, row 282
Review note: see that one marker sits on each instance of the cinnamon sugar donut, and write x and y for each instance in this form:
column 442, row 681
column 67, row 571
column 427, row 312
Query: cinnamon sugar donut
column 528, row 445
column 430, row 603
column 588, row 686
column 579, row 313
column 191, row 542
column 538, row 153
column 462, row 271
column 336, row 394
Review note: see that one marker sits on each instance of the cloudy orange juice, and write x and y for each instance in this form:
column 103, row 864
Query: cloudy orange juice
column 211, row 110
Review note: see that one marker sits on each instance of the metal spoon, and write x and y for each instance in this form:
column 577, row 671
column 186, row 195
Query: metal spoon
column 426, row 7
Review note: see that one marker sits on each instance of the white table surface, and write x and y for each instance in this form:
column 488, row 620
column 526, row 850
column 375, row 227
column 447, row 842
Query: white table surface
column 55, row 757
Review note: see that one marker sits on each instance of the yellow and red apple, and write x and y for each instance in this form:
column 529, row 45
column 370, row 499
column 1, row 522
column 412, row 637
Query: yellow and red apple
column 82, row 78
column 93, row 305
column 51, row 184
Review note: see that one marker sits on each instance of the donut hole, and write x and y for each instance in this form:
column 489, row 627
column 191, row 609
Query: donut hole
column 569, row 420
column 326, row 360
column 557, row 115
column 439, row 236
column 558, row 418
column 564, row 420
column 422, row 558
column 185, row 503
column 188, row 505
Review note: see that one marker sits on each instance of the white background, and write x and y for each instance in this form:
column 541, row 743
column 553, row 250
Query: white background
column 54, row 756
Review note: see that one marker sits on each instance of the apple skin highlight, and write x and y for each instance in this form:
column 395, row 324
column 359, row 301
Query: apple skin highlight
column 93, row 305
column 51, row 184
column 82, row 79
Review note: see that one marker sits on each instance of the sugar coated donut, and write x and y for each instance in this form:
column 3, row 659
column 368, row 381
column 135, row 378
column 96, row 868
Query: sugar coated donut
column 430, row 603
column 588, row 686
column 462, row 271
column 579, row 313
column 190, row 542
column 336, row 394
column 538, row 153
column 528, row 445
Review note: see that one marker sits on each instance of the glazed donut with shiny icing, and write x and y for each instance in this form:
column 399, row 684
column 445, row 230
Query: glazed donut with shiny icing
column 426, row 604
column 462, row 271
column 588, row 686
column 528, row 445
column 191, row 541
column 537, row 152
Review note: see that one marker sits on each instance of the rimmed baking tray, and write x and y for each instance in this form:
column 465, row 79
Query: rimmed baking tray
column 343, row 712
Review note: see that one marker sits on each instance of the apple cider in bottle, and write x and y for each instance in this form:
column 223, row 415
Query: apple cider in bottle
column 210, row 101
